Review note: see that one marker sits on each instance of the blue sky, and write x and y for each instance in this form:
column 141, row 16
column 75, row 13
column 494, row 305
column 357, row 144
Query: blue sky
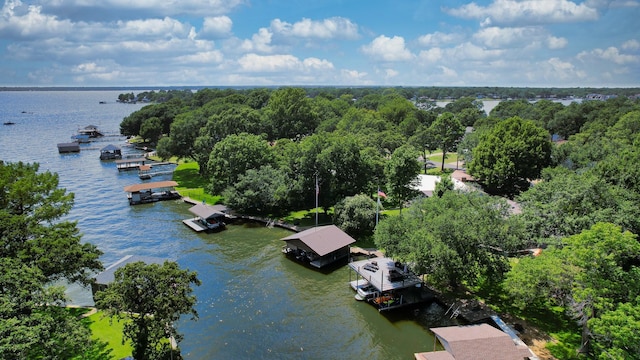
column 534, row 43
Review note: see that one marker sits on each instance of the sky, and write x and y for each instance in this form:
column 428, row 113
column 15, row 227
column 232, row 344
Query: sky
column 519, row 43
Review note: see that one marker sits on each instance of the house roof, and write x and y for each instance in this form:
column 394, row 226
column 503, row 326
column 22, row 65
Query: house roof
column 323, row 239
column 110, row 147
column 205, row 211
column 427, row 184
column 461, row 175
column 481, row 341
column 108, row 275
column 149, row 186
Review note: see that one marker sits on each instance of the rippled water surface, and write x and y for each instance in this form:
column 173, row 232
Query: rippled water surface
column 253, row 302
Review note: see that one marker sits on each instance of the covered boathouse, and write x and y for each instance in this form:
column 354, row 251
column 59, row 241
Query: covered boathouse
column 110, row 152
column 208, row 217
column 106, row 277
column 472, row 342
column 318, row 246
column 394, row 285
column 151, row 192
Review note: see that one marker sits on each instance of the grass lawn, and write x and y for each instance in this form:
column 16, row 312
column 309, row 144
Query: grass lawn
column 192, row 184
column 110, row 332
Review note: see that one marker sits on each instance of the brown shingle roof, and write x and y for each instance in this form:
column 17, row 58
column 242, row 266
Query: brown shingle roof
column 479, row 342
column 323, row 239
column 205, row 211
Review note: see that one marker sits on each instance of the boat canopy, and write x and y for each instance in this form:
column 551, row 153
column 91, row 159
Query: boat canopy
column 205, row 211
column 149, row 186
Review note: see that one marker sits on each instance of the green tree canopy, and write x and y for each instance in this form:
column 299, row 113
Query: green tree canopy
column 36, row 249
column 512, row 153
column 234, row 155
column 401, row 172
column 590, row 274
column 447, row 132
column 150, row 297
column 356, row 215
column 455, row 239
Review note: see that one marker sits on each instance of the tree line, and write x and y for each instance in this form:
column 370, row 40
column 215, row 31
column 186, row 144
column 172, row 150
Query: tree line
column 263, row 150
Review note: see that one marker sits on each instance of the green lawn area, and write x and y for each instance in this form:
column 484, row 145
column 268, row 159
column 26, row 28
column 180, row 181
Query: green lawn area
column 191, row 184
column 109, row 330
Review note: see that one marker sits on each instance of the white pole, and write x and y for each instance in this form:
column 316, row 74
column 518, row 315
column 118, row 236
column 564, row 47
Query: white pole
column 317, row 191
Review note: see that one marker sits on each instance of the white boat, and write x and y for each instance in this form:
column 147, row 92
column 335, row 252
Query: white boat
column 357, row 284
column 366, row 292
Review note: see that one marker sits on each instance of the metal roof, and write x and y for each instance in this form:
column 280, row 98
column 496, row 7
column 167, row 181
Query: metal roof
column 384, row 275
column 481, row 341
column 110, row 147
column 205, row 211
column 108, row 275
column 149, row 186
column 323, row 239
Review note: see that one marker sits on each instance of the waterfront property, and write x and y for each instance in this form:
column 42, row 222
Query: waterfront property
column 395, row 285
column 318, row 246
column 208, row 217
column 470, row 342
column 110, row 152
column 102, row 280
column 72, row 147
column 130, row 164
column 151, row 192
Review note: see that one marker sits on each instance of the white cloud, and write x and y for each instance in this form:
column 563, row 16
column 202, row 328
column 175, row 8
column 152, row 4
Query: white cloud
column 388, row 49
column 353, row 75
column 331, row 28
column 316, row 64
column 28, row 22
column 438, row 39
column 611, row 54
column 280, row 63
column 216, row 27
column 260, row 41
column 556, row 42
column 631, row 45
column 150, row 28
column 390, row 73
column 431, row 56
column 526, row 12
column 205, row 57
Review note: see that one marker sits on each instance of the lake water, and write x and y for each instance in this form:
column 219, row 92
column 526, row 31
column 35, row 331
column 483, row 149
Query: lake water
column 253, row 302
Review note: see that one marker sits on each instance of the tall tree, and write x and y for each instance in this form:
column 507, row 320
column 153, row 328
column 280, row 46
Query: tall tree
column 447, row 131
column 234, row 155
column 356, row 215
column 401, row 172
column 37, row 248
column 289, row 113
column 150, row 297
column 510, row 155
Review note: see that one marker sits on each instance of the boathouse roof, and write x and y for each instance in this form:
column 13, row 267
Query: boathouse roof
column 108, row 275
column 148, row 186
column 205, row 211
column 385, row 274
column 470, row 342
column 323, row 239
column 110, row 147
